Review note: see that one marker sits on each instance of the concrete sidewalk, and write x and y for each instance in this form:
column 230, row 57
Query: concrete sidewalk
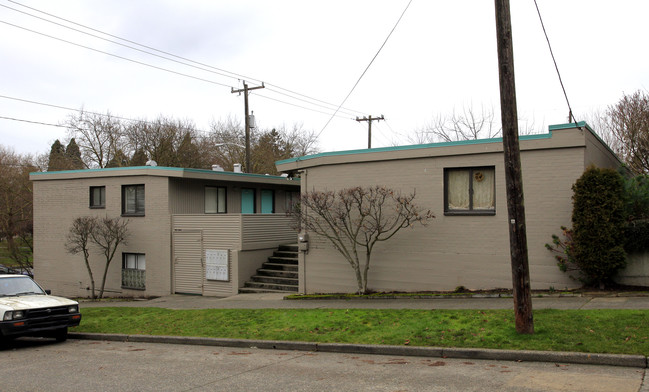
column 277, row 301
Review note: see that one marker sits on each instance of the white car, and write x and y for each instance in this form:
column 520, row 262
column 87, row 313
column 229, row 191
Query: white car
column 28, row 310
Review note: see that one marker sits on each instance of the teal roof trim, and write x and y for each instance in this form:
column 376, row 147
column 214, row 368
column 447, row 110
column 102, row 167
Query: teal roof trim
column 579, row 124
column 412, row 147
column 166, row 168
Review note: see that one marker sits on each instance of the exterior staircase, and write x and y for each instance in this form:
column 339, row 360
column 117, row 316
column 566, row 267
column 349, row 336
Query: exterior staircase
column 277, row 275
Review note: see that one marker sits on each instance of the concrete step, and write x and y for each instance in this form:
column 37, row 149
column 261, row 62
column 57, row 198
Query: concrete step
column 282, row 260
column 279, row 273
column 255, row 290
column 271, row 286
column 281, row 267
column 273, row 279
column 288, row 247
column 289, row 255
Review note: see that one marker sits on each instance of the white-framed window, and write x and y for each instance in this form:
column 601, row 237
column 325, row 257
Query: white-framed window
column 215, row 200
column 97, row 197
column 133, row 200
column 470, row 191
column 134, row 271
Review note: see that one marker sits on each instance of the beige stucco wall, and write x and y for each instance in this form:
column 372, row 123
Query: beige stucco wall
column 58, row 202
column 452, row 251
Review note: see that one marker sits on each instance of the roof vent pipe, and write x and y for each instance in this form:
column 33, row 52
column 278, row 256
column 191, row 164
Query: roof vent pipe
column 217, row 168
column 237, row 168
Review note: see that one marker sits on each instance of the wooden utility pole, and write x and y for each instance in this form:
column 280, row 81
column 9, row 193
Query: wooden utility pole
column 245, row 90
column 513, row 174
column 369, row 127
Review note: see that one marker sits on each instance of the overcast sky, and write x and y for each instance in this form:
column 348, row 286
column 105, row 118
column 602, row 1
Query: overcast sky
column 441, row 57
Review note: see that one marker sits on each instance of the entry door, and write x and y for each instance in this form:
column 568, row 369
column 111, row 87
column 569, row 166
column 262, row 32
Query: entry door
column 267, row 201
column 247, row 201
column 188, row 262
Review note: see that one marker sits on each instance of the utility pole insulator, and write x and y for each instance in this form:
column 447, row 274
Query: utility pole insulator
column 245, row 90
column 369, row 120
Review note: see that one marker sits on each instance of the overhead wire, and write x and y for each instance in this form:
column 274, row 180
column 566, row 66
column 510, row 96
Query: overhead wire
column 32, row 122
column 366, row 68
column 556, row 67
column 186, row 61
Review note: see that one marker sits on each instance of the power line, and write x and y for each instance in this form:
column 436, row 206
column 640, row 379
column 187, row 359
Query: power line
column 221, row 72
column 366, row 68
column 32, row 122
column 570, row 115
column 115, row 55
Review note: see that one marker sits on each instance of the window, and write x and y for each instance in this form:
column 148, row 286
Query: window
column 470, row 191
column 97, row 197
column 267, row 201
column 133, row 271
column 215, row 200
column 133, row 200
column 292, row 198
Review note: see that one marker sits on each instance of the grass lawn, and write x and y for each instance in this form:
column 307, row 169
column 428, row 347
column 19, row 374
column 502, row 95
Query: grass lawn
column 594, row 331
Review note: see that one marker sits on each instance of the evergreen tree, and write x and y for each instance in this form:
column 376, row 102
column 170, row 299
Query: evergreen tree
column 57, row 160
column 73, row 156
column 139, row 158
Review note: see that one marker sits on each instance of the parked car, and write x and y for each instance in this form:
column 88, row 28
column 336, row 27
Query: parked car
column 28, row 310
column 8, row 270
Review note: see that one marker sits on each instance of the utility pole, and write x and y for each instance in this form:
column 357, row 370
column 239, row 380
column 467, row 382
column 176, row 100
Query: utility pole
column 245, row 90
column 369, row 127
column 513, row 174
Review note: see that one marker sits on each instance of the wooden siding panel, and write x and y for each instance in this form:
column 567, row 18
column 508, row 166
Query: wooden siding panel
column 267, row 230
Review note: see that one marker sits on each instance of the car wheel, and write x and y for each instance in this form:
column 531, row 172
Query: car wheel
column 61, row 335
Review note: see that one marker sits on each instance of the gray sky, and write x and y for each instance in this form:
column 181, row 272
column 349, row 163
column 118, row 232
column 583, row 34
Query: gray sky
column 441, row 57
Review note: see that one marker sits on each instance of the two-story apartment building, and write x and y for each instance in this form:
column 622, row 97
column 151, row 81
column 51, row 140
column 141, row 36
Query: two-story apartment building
column 190, row 231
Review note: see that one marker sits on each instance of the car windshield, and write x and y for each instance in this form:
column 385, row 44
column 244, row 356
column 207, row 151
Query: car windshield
column 19, row 285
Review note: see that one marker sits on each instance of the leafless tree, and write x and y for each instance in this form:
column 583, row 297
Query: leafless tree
column 106, row 234
column 16, row 219
column 355, row 219
column 99, row 137
column 79, row 240
column 467, row 124
column 628, row 123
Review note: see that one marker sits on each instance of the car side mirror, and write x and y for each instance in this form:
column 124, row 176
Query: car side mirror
column 48, row 292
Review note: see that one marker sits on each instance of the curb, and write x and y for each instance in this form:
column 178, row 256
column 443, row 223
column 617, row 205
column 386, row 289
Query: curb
column 637, row 361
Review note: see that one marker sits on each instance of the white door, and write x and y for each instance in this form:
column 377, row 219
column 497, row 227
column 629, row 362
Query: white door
column 188, row 262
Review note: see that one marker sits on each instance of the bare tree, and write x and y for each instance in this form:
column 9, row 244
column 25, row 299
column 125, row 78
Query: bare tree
column 355, row 219
column 267, row 146
column 628, row 123
column 105, row 234
column 467, row 124
column 79, row 240
column 99, row 137
column 16, row 198
column 108, row 235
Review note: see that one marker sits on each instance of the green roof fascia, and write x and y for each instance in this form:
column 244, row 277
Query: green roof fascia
column 580, row 124
column 167, row 168
column 412, row 147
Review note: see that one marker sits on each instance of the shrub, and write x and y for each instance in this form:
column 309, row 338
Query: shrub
column 595, row 244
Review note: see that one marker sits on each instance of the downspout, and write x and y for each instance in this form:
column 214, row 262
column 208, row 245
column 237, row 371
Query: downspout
column 302, row 254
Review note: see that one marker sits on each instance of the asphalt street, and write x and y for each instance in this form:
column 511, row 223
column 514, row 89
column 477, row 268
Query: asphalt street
column 87, row 365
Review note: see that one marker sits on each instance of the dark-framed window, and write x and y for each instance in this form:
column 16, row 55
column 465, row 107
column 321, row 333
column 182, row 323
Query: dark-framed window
column 291, row 200
column 133, row 200
column 470, row 191
column 134, row 271
column 97, row 197
column 216, row 200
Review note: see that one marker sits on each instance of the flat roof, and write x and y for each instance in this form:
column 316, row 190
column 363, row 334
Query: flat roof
column 435, row 145
column 163, row 171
